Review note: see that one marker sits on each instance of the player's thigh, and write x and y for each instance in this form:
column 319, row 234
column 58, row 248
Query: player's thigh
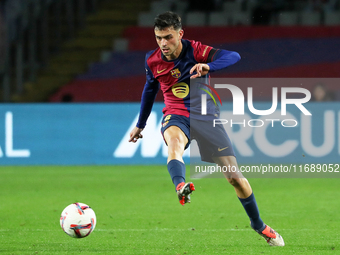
column 173, row 135
column 176, row 130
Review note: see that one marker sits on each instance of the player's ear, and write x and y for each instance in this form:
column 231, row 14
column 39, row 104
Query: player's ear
column 181, row 33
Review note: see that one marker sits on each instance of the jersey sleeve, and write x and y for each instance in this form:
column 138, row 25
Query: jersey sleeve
column 219, row 59
column 216, row 58
column 150, row 91
column 201, row 51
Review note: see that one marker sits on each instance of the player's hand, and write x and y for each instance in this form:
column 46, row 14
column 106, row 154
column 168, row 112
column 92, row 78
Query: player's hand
column 201, row 70
column 135, row 134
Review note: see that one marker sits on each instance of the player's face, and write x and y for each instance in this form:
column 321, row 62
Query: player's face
column 169, row 41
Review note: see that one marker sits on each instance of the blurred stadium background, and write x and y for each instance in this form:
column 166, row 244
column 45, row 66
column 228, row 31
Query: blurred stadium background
column 92, row 51
column 71, row 77
column 86, row 50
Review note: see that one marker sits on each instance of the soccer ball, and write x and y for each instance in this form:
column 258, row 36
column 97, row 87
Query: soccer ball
column 78, row 220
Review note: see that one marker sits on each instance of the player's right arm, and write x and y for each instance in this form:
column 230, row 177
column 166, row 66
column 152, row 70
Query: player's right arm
column 148, row 98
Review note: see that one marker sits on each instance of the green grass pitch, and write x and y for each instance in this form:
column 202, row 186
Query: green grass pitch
column 138, row 213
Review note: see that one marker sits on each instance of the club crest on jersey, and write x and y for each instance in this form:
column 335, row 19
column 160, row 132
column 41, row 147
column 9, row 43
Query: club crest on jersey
column 175, row 73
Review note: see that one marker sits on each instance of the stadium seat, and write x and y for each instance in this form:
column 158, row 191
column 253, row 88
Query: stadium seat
column 146, row 19
column 218, row 19
column 105, row 56
column 231, row 7
column 288, row 18
column 121, row 44
column 195, row 19
column 240, row 18
column 160, row 6
column 181, row 6
column 249, row 5
column 310, row 18
column 332, row 18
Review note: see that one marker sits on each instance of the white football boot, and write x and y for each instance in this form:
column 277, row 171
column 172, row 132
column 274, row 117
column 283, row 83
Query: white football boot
column 272, row 237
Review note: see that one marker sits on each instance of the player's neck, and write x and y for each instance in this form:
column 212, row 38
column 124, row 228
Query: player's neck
column 176, row 53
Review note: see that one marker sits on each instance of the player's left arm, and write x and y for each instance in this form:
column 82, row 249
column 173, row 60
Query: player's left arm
column 216, row 60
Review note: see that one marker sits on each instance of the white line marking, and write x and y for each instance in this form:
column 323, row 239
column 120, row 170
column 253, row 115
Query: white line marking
column 156, row 229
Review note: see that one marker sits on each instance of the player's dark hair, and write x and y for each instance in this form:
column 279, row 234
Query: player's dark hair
column 168, row 19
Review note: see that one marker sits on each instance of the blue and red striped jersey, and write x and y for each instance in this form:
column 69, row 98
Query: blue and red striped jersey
column 173, row 78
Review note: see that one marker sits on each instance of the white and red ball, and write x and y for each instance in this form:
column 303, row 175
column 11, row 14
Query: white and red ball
column 78, row 220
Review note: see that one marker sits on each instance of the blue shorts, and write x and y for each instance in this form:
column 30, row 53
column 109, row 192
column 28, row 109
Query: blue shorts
column 177, row 120
column 212, row 141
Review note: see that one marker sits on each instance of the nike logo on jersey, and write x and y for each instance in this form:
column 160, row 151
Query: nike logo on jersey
column 221, row 149
column 161, row 70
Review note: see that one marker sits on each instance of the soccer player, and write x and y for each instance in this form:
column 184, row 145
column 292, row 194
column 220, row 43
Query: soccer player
column 171, row 67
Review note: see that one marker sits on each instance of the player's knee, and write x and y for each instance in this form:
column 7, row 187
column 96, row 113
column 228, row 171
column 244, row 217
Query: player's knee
column 234, row 181
column 175, row 145
column 237, row 181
